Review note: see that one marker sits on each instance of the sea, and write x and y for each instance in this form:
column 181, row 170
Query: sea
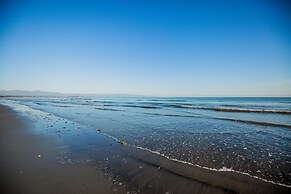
column 250, row 135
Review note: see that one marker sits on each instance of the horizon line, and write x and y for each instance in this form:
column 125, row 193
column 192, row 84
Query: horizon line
column 61, row 94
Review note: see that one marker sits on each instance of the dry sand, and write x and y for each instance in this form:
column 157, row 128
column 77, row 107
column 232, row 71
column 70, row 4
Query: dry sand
column 93, row 163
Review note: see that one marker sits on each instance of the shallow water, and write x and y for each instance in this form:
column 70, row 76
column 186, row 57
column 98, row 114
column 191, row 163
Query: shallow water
column 250, row 135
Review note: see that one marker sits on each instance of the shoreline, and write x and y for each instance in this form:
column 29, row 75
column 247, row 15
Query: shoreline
column 196, row 165
column 120, row 168
column 30, row 161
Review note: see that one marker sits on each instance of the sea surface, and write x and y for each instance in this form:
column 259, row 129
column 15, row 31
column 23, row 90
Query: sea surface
column 246, row 135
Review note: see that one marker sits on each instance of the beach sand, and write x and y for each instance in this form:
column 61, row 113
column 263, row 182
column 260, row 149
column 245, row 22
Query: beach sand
column 29, row 162
column 43, row 156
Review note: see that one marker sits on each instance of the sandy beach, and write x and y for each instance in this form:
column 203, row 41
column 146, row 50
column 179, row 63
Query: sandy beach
column 48, row 154
column 30, row 163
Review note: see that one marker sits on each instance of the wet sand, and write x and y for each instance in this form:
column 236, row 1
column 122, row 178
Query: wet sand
column 29, row 162
column 47, row 154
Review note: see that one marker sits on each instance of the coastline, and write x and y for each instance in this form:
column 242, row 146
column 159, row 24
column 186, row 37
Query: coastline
column 54, row 162
column 30, row 162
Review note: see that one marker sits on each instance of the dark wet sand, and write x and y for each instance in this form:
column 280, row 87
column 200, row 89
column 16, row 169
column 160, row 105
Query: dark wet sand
column 29, row 162
column 67, row 162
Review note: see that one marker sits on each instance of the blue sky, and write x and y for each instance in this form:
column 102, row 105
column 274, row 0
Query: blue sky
column 162, row 48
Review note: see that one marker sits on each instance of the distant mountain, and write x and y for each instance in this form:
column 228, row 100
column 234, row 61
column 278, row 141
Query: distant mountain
column 57, row 94
column 28, row 93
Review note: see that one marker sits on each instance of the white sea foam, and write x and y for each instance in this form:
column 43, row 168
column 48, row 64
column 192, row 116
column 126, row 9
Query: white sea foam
column 225, row 169
column 224, row 109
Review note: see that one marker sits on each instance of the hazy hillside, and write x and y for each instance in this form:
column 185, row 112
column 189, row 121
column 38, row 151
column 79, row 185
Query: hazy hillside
column 43, row 93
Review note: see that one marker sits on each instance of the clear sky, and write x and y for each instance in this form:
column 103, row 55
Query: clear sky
column 163, row 48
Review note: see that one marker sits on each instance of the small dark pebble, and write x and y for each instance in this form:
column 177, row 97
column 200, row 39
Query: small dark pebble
column 122, row 142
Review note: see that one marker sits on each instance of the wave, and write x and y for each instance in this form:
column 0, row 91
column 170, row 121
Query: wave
column 139, row 106
column 165, row 100
column 150, row 107
column 222, row 109
column 53, row 105
column 129, row 105
column 171, row 115
column 110, row 109
column 103, row 105
column 226, row 119
column 256, row 122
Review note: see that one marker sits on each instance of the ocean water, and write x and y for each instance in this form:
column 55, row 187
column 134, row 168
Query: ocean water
column 247, row 135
